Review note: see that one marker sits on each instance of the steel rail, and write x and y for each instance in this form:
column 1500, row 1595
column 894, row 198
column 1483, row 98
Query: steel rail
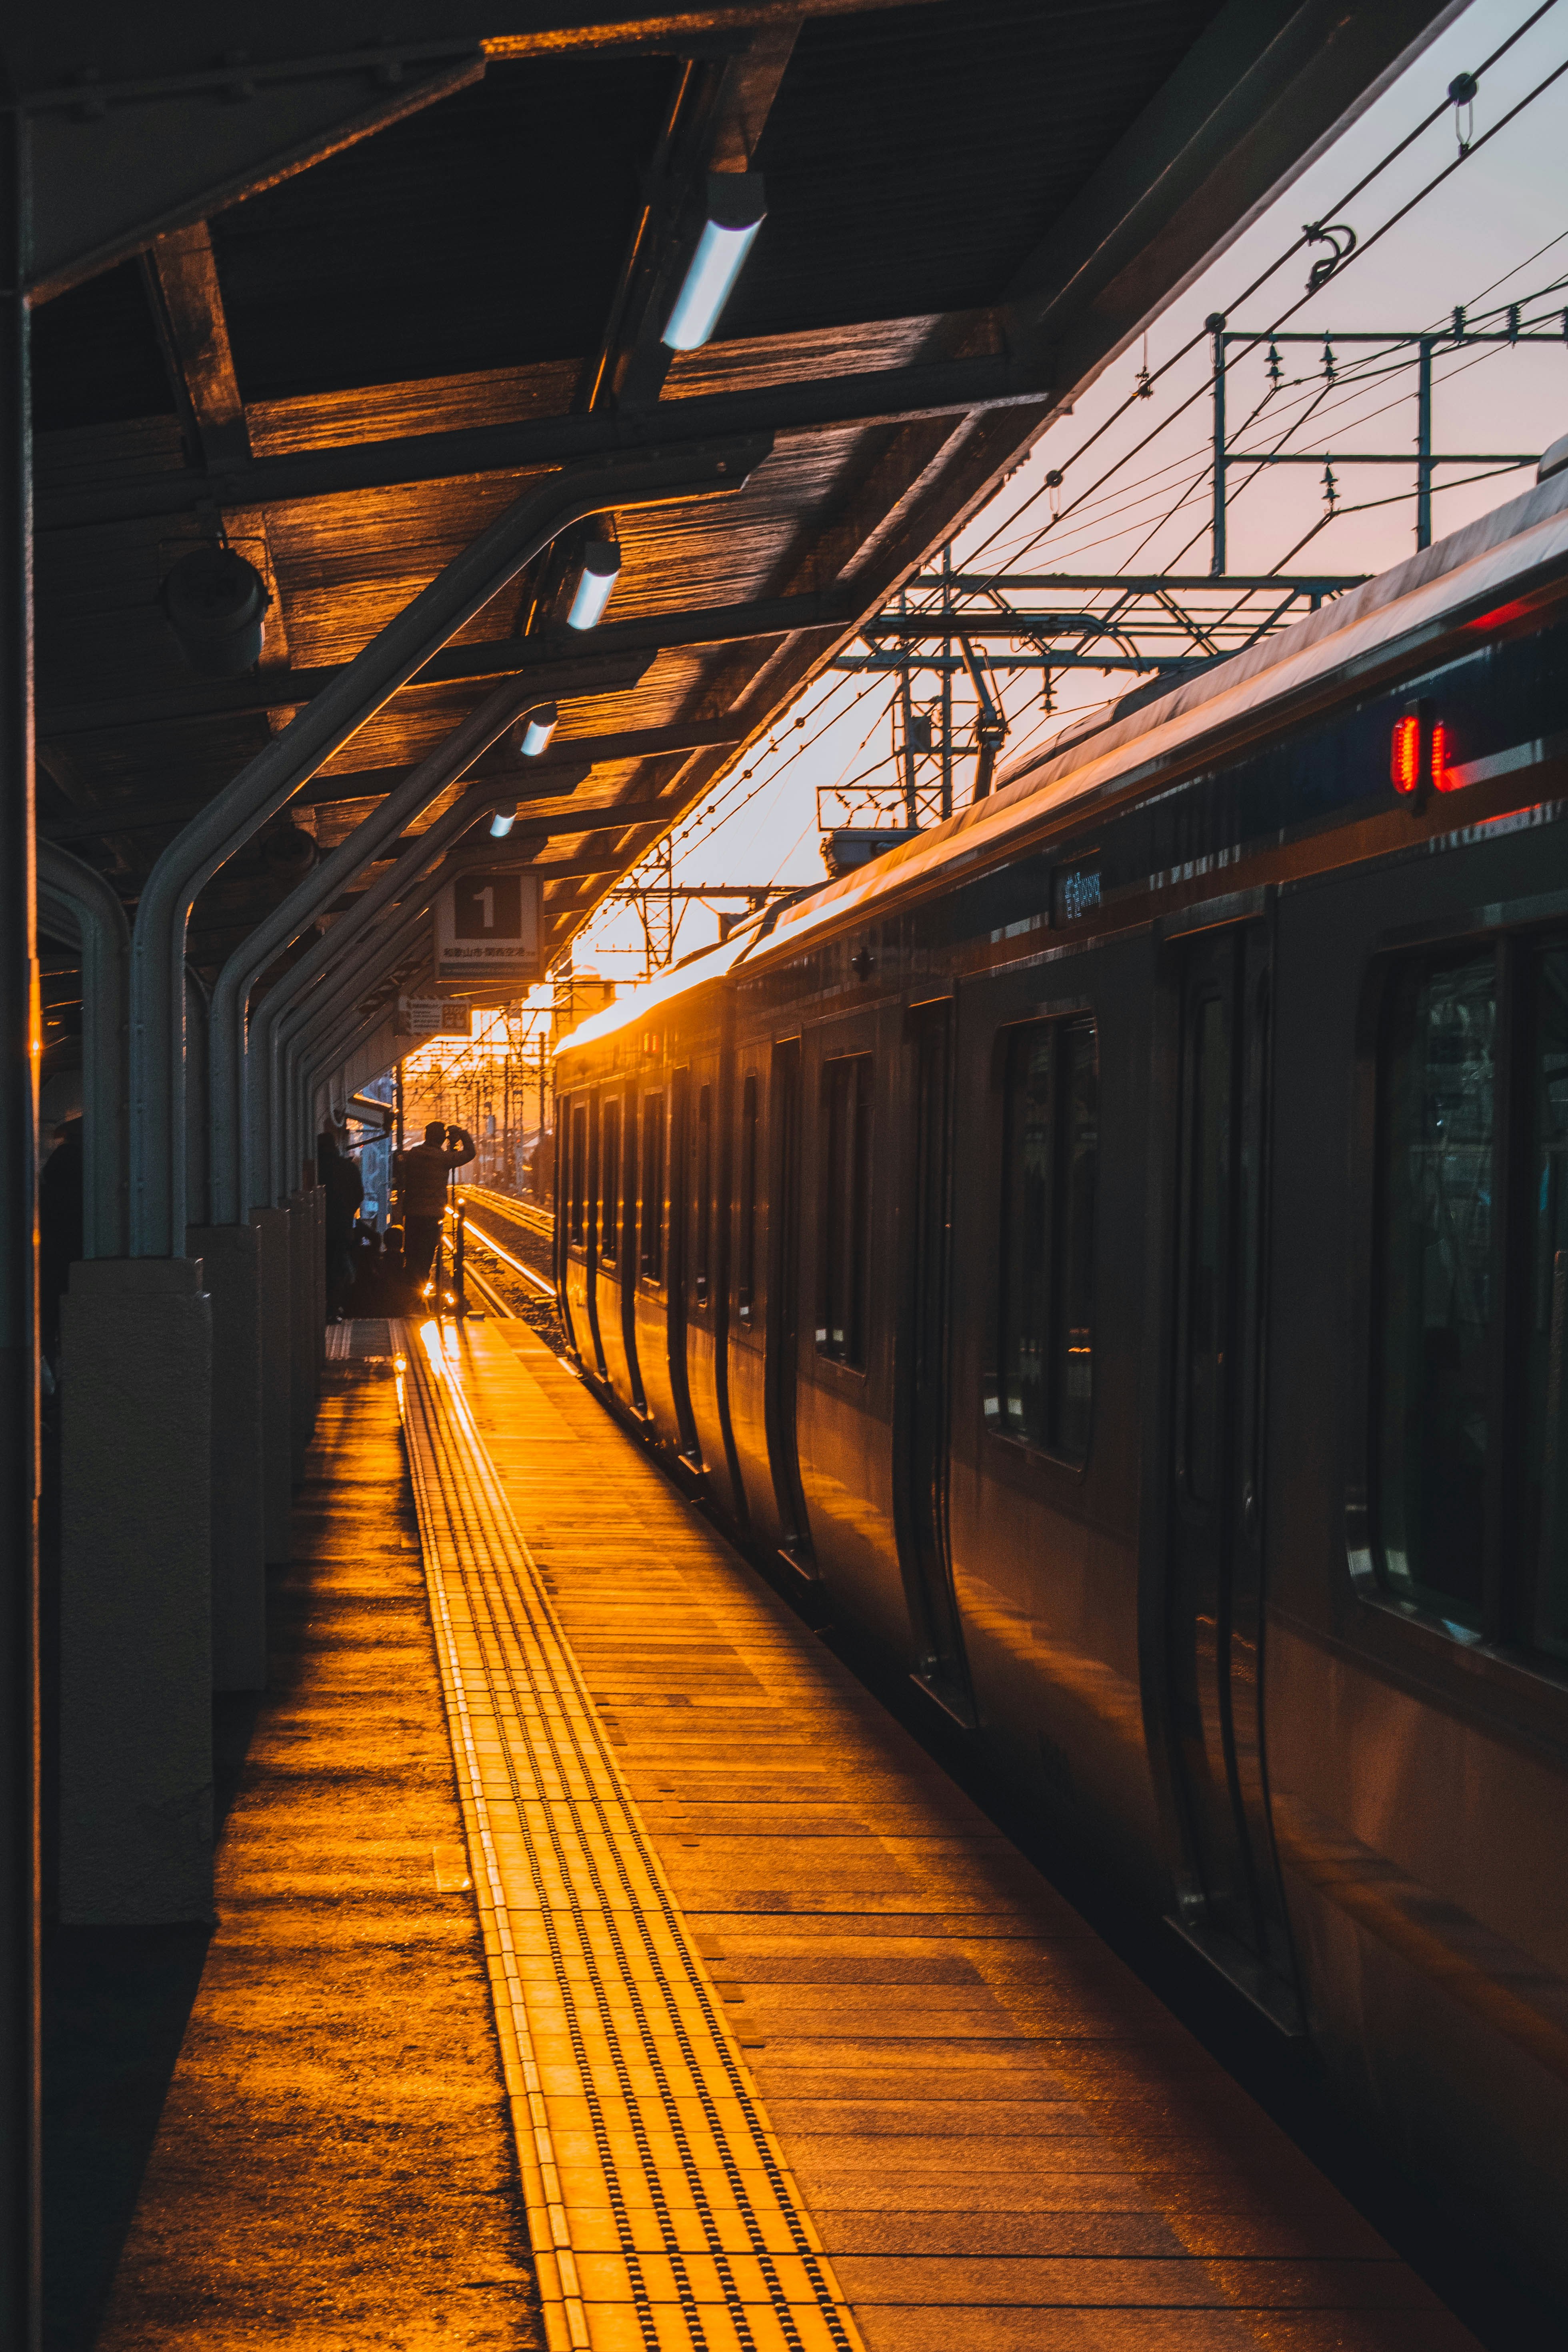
column 528, row 1272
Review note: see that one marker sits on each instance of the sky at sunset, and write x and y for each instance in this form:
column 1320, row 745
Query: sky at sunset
column 1495, row 232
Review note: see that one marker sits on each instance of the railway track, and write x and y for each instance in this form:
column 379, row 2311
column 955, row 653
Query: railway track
column 510, row 1254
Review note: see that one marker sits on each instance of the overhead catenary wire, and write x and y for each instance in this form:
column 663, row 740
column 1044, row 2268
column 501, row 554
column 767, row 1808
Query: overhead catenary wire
column 1299, row 246
column 1354, row 382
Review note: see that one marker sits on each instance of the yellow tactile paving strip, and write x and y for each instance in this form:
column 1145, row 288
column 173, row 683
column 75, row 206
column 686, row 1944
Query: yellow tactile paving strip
column 1007, row 2144
column 660, row 2209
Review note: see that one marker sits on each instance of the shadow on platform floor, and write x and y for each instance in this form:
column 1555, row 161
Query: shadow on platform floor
column 116, row 2004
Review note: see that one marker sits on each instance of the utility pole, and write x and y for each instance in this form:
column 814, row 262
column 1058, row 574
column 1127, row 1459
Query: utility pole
column 1216, row 325
column 1393, row 349
column 946, row 687
column 906, row 698
column 988, row 625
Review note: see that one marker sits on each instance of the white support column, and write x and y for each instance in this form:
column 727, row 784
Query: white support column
column 301, row 1337
column 271, row 1229
column 136, row 1672
column 231, row 1255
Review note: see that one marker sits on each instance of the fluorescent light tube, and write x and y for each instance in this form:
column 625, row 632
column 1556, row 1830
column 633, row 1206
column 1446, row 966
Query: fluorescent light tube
column 502, row 821
column 539, row 725
column 595, row 584
column 735, row 214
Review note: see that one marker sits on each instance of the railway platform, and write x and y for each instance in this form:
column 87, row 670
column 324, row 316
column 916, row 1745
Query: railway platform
column 786, row 2048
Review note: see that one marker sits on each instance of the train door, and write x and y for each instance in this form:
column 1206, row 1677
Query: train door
column 590, row 1215
column 922, row 1381
column 1232, row 1905
column 681, row 1138
column 629, row 1246
column 783, row 1342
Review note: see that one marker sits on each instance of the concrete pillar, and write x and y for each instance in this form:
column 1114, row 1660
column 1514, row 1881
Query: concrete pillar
column 301, row 1335
column 136, row 1665
column 271, row 1229
column 231, row 1258
column 317, row 1197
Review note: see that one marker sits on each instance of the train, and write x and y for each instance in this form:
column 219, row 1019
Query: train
column 1112, row 1248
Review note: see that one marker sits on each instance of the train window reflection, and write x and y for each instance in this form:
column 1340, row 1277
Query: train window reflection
column 578, row 1169
column 746, row 1271
column 845, row 1208
column 1051, row 1169
column 704, row 1191
column 1545, row 1465
column 610, row 1182
column 1206, row 1302
column 1436, row 1302
column 651, row 1246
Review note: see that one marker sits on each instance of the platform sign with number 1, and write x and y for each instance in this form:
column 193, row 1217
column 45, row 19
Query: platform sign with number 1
column 487, row 928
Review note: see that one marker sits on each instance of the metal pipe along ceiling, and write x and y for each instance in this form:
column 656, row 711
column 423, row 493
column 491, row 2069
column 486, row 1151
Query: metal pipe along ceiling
column 269, row 780
column 343, row 937
column 68, row 888
column 293, row 1035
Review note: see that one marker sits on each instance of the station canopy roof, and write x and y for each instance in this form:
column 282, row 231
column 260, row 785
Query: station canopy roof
column 338, row 290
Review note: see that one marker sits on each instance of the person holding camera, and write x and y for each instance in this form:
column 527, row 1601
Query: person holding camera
column 420, row 1175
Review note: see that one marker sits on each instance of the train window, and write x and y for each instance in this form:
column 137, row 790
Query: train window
column 845, row 1208
column 610, row 1181
column 1437, row 1289
column 651, row 1248
column 746, row 1273
column 1207, row 1249
column 1545, row 1482
column 1051, row 1158
column 577, row 1194
column 1470, row 1416
column 704, row 1191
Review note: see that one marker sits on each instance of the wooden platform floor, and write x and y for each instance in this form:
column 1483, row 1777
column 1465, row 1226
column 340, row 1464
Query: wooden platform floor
column 334, row 2167
column 1004, row 2142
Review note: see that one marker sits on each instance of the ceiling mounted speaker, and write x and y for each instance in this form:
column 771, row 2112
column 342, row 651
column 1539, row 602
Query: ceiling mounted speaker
column 291, row 848
column 215, row 603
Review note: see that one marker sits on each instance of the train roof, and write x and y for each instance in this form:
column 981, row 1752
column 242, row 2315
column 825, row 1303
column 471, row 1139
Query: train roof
column 1487, row 565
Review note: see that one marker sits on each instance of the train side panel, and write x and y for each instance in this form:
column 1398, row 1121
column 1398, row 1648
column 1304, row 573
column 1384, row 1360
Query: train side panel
column 657, row 1230
column 614, row 1257
column 1418, row 1770
column 1045, row 1546
column 751, row 1239
column 704, row 1256
column 849, row 1240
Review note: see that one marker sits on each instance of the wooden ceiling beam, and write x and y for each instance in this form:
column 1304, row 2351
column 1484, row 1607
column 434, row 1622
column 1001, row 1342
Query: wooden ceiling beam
column 874, row 397
column 634, row 643
column 179, row 273
column 682, row 31
column 558, row 770
column 563, row 761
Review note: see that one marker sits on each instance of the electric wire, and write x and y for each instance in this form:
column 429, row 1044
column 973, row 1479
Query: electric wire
column 1365, row 246
column 708, row 817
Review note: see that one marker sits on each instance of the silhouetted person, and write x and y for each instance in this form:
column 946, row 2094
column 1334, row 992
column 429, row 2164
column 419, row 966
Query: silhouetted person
column 420, row 1176
column 393, row 1273
column 339, row 1175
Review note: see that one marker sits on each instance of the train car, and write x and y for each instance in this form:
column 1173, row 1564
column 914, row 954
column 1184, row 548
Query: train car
column 1116, row 1247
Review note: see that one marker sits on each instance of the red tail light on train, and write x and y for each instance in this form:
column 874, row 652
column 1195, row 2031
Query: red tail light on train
column 1404, row 753
column 1420, row 751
